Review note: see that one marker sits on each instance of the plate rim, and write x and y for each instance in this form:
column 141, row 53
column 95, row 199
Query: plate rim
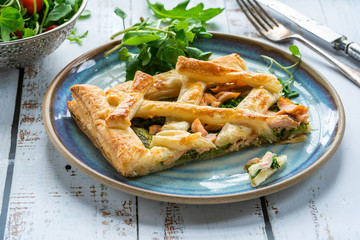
column 190, row 199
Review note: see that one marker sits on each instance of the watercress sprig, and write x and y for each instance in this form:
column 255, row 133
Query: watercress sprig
column 161, row 42
column 286, row 84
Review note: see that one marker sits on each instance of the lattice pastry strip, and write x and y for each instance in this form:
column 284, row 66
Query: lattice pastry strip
column 192, row 89
column 106, row 116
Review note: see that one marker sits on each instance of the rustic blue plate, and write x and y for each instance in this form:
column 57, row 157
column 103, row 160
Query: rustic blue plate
column 216, row 180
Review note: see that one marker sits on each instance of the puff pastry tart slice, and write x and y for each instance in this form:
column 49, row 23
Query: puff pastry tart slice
column 199, row 110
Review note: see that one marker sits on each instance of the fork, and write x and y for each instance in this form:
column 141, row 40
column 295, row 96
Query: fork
column 276, row 32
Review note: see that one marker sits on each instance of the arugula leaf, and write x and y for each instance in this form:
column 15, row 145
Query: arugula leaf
column 180, row 11
column 10, row 21
column 76, row 38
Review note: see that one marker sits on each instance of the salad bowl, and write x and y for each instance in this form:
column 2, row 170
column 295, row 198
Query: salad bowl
column 20, row 53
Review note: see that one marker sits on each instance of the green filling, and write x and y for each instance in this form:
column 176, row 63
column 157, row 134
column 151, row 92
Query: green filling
column 283, row 134
column 193, row 154
column 144, row 136
column 274, row 108
column 231, row 103
column 146, row 123
column 275, row 163
column 140, row 127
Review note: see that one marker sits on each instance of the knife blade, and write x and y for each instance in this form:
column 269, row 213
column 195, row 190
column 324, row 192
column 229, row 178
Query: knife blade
column 337, row 41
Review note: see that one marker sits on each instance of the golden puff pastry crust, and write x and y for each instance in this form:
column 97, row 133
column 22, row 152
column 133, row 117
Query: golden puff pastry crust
column 107, row 117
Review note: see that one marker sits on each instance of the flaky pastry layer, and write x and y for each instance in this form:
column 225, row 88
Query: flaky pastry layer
column 105, row 117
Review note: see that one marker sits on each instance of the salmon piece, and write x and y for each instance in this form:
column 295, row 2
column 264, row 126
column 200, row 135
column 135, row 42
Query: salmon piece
column 303, row 117
column 196, row 126
column 282, row 122
column 266, row 161
column 227, row 86
column 211, row 127
column 271, row 113
column 154, row 129
column 225, row 95
column 211, row 137
column 297, row 111
column 251, row 161
column 209, row 99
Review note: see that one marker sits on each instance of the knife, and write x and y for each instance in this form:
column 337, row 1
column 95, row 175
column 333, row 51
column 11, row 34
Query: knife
column 337, row 41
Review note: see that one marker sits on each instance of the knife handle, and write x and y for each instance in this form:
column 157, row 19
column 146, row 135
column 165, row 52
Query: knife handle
column 353, row 50
column 351, row 73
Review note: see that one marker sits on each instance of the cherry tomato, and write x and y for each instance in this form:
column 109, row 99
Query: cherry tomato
column 29, row 5
column 18, row 34
column 50, row 27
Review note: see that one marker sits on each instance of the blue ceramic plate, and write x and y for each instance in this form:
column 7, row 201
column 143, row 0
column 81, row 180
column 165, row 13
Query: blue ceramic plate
column 216, row 180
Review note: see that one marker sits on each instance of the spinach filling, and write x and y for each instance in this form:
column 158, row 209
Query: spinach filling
column 143, row 135
column 140, row 127
column 232, row 103
column 283, row 134
column 193, row 154
column 147, row 122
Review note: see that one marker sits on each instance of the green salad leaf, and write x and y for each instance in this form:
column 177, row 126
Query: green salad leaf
column 59, row 13
column 160, row 43
column 181, row 13
column 10, row 21
column 28, row 32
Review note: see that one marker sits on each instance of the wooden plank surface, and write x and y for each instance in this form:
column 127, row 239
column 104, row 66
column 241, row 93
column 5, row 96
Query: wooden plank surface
column 8, row 86
column 51, row 199
column 324, row 206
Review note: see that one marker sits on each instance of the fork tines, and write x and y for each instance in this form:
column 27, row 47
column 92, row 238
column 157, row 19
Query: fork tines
column 261, row 20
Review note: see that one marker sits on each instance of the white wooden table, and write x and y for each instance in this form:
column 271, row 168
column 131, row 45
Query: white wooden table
column 43, row 197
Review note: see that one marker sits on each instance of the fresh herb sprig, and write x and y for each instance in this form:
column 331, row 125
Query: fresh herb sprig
column 286, row 84
column 74, row 37
column 161, row 42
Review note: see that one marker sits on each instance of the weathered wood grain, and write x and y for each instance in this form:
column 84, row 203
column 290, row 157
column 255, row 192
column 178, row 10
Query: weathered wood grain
column 324, row 206
column 238, row 23
column 162, row 220
column 49, row 198
column 8, row 88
